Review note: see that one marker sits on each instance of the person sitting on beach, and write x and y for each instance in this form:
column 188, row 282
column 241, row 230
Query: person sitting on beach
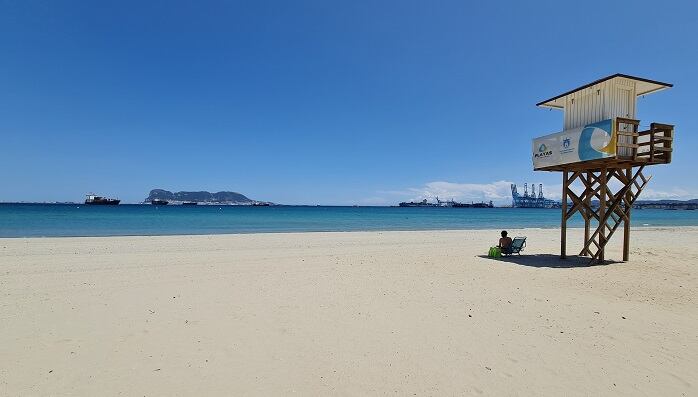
column 505, row 242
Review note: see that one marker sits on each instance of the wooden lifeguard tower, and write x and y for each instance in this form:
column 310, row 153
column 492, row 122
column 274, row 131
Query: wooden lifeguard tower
column 601, row 141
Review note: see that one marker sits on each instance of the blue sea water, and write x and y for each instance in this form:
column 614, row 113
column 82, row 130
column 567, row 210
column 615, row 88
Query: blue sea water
column 31, row 220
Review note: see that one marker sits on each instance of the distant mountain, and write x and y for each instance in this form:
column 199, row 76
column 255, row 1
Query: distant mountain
column 691, row 201
column 668, row 204
column 200, row 197
column 691, row 204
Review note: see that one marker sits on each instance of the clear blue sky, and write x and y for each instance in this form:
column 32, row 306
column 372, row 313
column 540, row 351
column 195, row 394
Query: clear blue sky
column 325, row 102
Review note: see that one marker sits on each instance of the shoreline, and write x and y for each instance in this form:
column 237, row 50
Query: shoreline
column 569, row 228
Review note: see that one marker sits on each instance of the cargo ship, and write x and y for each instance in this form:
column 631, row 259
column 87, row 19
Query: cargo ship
column 99, row 200
column 422, row 203
column 446, row 204
column 159, row 202
column 473, row 205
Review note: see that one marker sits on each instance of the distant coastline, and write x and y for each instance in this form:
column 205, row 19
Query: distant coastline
column 691, row 204
column 667, row 204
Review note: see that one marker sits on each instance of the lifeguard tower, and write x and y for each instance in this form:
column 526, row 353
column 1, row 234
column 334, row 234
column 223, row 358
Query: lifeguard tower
column 601, row 141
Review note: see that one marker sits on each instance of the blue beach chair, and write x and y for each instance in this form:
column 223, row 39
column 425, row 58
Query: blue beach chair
column 517, row 245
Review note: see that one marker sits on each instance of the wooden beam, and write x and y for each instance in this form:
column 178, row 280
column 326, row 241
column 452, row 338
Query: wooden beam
column 620, row 175
column 669, row 136
column 626, row 221
column 563, row 222
column 630, row 145
column 634, row 138
column 602, row 216
column 660, row 126
column 581, row 206
column 623, row 120
column 588, row 192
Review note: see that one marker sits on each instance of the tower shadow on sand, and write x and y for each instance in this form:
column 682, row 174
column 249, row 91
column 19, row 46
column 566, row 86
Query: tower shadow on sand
column 548, row 260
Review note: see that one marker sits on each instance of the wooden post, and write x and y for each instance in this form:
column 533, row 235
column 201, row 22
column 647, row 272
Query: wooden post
column 651, row 135
column 563, row 223
column 602, row 213
column 626, row 222
column 635, row 127
column 588, row 192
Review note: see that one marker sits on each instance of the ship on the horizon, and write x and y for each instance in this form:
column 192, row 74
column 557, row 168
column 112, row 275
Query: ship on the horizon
column 472, row 205
column 159, row 202
column 99, row 200
column 447, row 204
column 423, row 203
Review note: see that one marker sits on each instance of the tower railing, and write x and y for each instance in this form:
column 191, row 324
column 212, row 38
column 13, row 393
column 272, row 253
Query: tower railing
column 652, row 146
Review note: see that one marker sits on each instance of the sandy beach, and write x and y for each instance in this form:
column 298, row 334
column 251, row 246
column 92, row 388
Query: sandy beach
column 361, row 313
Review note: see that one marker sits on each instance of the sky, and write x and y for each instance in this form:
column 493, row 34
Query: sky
column 321, row 102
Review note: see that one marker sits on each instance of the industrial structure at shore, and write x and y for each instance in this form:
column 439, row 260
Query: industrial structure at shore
column 532, row 200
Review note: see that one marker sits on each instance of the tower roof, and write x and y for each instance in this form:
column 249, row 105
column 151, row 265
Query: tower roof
column 643, row 87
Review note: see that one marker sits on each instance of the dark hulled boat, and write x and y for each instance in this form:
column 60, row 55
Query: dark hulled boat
column 99, row 200
column 446, row 204
column 473, row 205
column 159, row 202
column 422, row 203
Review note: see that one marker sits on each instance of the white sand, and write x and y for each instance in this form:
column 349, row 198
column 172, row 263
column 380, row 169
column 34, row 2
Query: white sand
column 399, row 313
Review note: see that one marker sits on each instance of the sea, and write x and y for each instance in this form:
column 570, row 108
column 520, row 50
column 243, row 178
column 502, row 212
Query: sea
column 57, row 220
